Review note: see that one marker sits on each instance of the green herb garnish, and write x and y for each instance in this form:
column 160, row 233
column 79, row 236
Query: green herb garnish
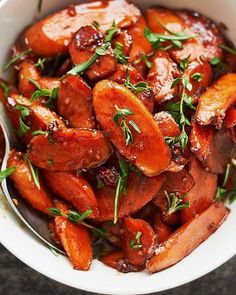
column 24, row 112
column 227, row 48
column 34, row 172
column 119, row 53
column 5, row 88
column 7, row 172
column 15, row 59
column 136, row 244
column 111, row 32
column 144, row 57
column 197, row 76
column 40, row 63
column 175, row 203
column 136, row 88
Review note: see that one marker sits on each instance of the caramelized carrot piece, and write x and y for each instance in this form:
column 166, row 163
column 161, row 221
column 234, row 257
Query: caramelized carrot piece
column 161, row 229
column 162, row 74
column 202, row 194
column 51, row 35
column 74, row 189
column 76, row 242
column 139, row 240
column 118, row 261
column 214, row 103
column 69, row 149
column 75, row 102
column 148, row 141
column 125, row 39
column 185, row 239
column 140, row 46
column 119, row 76
column 207, row 31
column 82, row 48
column 128, row 203
column 167, row 124
column 39, row 198
column 192, row 48
column 230, row 118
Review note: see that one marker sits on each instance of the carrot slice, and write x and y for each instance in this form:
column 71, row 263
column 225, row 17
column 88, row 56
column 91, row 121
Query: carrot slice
column 167, row 124
column 162, row 74
column 230, row 118
column 118, row 261
column 148, row 140
column 139, row 240
column 214, row 103
column 75, row 102
column 51, row 35
column 39, row 198
column 119, row 76
column 76, row 242
column 161, row 229
column 128, row 203
column 202, row 194
column 183, row 241
column 74, row 189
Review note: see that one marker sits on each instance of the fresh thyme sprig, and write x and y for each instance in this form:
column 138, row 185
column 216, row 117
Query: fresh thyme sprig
column 175, row 203
column 121, row 58
column 76, row 217
column 119, row 119
column 7, row 172
column 144, row 57
column 24, row 112
column 34, row 172
column 136, row 88
column 136, row 244
column 40, row 63
column 15, row 59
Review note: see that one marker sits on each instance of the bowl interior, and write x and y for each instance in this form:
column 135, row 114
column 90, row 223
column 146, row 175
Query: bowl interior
column 14, row 16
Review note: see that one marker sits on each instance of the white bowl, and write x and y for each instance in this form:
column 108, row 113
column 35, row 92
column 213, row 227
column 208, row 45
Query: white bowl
column 221, row 246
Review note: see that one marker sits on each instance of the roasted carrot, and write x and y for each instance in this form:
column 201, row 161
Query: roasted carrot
column 75, row 102
column 162, row 74
column 139, row 240
column 120, row 76
column 128, row 203
column 38, row 197
column 125, row 39
column 185, row 239
column 147, row 140
column 167, row 124
column 74, row 189
column 69, row 149
column 161, row 229
column 203, row 192
column 230, row 118
column 214, row 103
column 51, row 35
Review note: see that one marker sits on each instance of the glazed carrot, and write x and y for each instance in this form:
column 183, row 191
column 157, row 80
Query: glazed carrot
column 161, row 229
column 39, row 198
column 214, row 103
column 202, row 194
column 162, row 74
column 148, row 140
column 167, row 124
column 82, row 48
column 192, row 48
column 139, row 240
column 74, row 189
column 207, row 31
column 69, row 149
column 185, row 239
column 51, row 35
column 75, row 102
column 125, row 39
column 230, row 118
column 76, row 242
column 120, row 76
column 128, row 203
column 140, row 46
column 118, row 261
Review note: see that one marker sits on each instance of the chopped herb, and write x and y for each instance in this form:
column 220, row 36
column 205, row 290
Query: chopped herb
column 227, row 48
column 119, row 119
column 144, row 57
column 24, row 111
column 176, row 39
column 34, row 172
column 111, row 32
column 136, row 244
column 15, row 59
column 40, row 63
column 184, row 63
column 76, row 217
column 96, row 24
column 136, row 88
column 175, row 203
column 217, row 62
column 23, row 128
column 119, row 53
column 121, row 186
column 7, row 172
column 198, row 77
column 5, row 88
column 39, row 132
